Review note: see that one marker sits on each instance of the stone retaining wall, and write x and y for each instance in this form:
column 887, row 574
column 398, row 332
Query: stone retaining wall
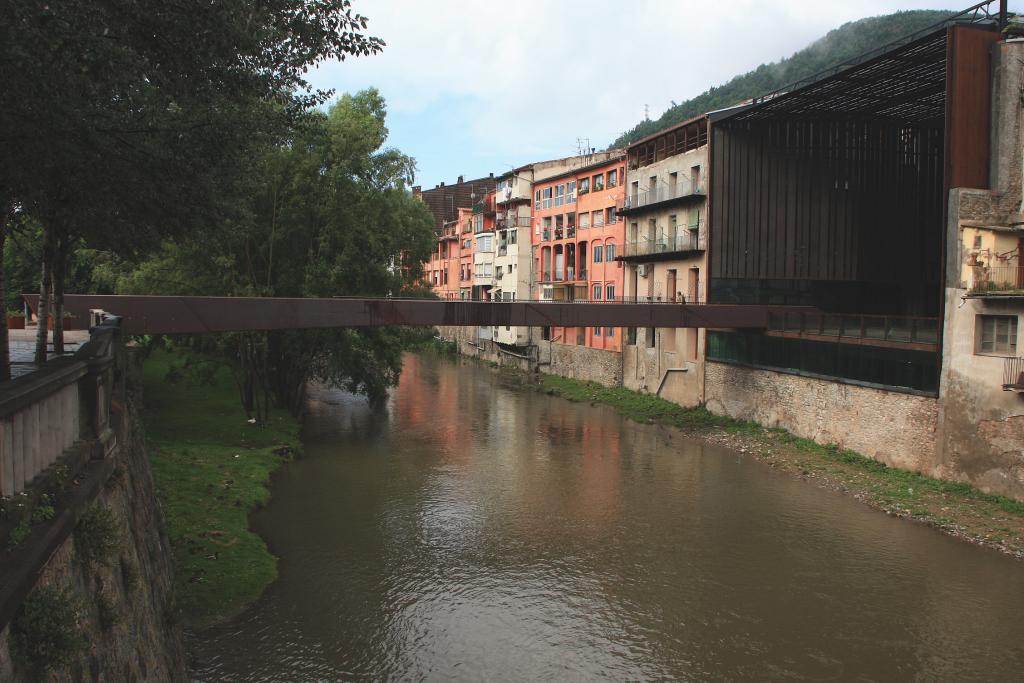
column 896, row 428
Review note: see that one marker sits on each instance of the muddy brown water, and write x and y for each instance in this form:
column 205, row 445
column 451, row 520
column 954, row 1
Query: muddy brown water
column 475, row 531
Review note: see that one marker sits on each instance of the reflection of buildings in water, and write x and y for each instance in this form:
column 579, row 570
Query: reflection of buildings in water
column 427, row 399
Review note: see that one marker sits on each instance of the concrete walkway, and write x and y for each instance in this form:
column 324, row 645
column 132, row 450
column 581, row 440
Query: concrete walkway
column 23, row 347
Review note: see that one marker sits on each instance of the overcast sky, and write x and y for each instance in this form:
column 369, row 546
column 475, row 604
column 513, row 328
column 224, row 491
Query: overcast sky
column 480, row 87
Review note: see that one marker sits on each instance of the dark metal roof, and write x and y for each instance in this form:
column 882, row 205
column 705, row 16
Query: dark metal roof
column 903, row 80
column 908, row 83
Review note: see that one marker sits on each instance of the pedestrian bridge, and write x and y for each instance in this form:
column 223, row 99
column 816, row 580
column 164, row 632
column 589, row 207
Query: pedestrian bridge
column 197, row 314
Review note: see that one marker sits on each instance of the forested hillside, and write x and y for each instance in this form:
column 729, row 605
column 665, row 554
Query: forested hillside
column 849, row 40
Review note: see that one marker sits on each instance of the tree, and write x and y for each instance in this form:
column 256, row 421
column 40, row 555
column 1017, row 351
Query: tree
column 126, row 121
column 329, row 215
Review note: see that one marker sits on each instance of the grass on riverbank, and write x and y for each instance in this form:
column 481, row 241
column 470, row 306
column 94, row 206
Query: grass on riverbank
column 211, row 469
column 959, row 509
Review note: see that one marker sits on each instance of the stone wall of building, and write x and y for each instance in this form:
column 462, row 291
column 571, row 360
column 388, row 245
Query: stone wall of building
column 564, row 360
column 666, row 368
column 896, row 428
column 581, row 362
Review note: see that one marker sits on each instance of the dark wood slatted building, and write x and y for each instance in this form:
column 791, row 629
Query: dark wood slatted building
column 834, row 195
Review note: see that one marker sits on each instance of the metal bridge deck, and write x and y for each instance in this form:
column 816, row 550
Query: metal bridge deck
column 193, row 314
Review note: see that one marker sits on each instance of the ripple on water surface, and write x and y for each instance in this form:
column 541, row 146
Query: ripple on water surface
column 476, row 532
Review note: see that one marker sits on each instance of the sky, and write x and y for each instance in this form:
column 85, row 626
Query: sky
column 482, row 87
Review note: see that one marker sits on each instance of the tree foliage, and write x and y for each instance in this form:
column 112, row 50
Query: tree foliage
column 123, row 122
column 328, row 215
column 849, row 40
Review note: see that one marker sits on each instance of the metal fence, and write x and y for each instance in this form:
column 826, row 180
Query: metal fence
column 663, row 193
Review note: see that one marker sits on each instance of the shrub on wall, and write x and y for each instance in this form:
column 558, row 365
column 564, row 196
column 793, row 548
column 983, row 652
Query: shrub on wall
column 97, row 538
column 45, row 634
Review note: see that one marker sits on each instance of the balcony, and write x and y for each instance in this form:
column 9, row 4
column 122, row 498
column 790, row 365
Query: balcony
column 689, row 243
column 993, row 281
column 681, row 193
column 908, row 332
column 1013, row 374
column 513, row 222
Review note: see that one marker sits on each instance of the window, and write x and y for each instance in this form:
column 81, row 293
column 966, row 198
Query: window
column 467, row 244
column 570, row 219
column 609, row 332
column 570, row 192
column 545, row 196
column 695, row 180
column 597, row 331
column 977, row 241
column 610, row 215
column 631, row 336
column 650, row 337
column 613, row 178
column 609, row 251
column 599, row 182
column 484, row 243
column 598, row 254
column 996, row 334
column 584, row 220
column 512, row 236
column 584, row 185
column 598, row 218
column 536, row 201
column 597, row 292
column 609, row 293
column 560, row 195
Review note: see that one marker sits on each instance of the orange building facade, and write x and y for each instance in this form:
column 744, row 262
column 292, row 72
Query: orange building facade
column 577, row 234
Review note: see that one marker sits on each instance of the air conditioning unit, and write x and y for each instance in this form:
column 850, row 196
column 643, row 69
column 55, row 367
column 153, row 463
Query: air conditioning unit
column 643, row 270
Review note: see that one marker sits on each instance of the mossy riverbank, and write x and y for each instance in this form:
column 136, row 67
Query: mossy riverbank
column 212, row 468
column 957, row 509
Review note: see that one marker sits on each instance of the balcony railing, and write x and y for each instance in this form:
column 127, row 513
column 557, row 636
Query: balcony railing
column 513, row 222
column 662, row 194
column 878, row 328
column 45, row 412
column 1013, row 374
column 996, row 279
column 502, row 250
column 688, row 241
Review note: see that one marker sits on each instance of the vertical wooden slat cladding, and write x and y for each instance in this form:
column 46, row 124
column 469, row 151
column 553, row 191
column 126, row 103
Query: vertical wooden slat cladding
column 968, row 51
column 827, row 200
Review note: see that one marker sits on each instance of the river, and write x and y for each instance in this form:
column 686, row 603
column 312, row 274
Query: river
column 476, row 531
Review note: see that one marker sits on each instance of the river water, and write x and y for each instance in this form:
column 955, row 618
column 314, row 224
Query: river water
column 476, row 531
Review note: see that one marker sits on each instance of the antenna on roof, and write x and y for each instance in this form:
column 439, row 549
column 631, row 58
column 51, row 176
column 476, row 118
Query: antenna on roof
column 646, row 113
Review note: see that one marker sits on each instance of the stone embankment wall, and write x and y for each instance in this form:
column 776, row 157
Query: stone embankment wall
column 564, row 360
column 896, row 428
column 124, row 599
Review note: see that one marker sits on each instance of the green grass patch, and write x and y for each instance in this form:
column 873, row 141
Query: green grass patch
column 646, row 408
column 212, row 468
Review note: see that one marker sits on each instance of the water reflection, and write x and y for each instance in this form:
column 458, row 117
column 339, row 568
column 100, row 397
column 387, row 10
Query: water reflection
column 476, row 531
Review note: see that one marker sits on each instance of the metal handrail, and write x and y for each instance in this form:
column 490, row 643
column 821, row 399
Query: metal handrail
column 996, row 279
column 663, row 245
column 899, row 329
column 1013, row 374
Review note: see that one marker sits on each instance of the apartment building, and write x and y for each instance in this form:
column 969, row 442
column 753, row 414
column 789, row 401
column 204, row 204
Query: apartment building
column 576, row 237
column 512, row 260
column 443, row 271
column 665, row 218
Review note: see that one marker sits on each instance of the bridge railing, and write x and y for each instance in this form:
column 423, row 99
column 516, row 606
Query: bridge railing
column 43, row 413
